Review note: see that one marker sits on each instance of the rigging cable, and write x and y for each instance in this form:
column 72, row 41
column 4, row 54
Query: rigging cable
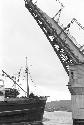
column 13, row 80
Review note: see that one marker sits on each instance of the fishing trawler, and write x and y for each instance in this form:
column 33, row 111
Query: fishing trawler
column 21, row 109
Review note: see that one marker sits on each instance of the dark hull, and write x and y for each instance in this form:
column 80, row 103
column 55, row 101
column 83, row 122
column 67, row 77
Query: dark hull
column 22, row 111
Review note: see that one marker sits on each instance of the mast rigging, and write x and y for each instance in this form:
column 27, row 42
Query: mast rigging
column 13, row 80
column 27, row 78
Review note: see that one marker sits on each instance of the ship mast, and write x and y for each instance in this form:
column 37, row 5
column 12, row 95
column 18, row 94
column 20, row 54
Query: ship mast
column 27, row 78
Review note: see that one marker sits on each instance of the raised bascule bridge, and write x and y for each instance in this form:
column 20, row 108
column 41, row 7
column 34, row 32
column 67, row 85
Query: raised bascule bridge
column 68, row 51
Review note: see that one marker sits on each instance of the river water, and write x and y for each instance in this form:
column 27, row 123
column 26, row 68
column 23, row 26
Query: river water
column 58, row 118
column 52, row 118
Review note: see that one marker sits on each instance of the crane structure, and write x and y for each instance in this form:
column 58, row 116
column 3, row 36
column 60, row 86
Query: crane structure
column 69, row 53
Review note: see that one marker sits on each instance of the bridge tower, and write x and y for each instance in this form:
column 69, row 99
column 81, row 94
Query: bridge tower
column 70, row 54
column 76, row 88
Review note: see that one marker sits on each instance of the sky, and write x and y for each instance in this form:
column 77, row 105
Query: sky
column 20, row 36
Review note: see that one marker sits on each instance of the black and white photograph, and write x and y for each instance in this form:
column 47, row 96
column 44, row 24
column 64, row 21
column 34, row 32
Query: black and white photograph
column 41, row 62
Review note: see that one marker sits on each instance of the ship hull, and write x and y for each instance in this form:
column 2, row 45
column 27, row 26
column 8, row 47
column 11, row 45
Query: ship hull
column 22, row 111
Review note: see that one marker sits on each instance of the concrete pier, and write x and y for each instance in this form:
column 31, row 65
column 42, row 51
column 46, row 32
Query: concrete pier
column 76, row 88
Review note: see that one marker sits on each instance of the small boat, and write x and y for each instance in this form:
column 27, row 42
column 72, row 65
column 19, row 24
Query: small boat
column 20, row 109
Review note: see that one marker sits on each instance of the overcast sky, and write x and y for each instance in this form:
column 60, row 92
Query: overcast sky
column 20, row 36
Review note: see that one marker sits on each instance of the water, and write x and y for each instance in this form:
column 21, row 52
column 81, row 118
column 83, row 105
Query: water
column 58, row 118
column 52, row 118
